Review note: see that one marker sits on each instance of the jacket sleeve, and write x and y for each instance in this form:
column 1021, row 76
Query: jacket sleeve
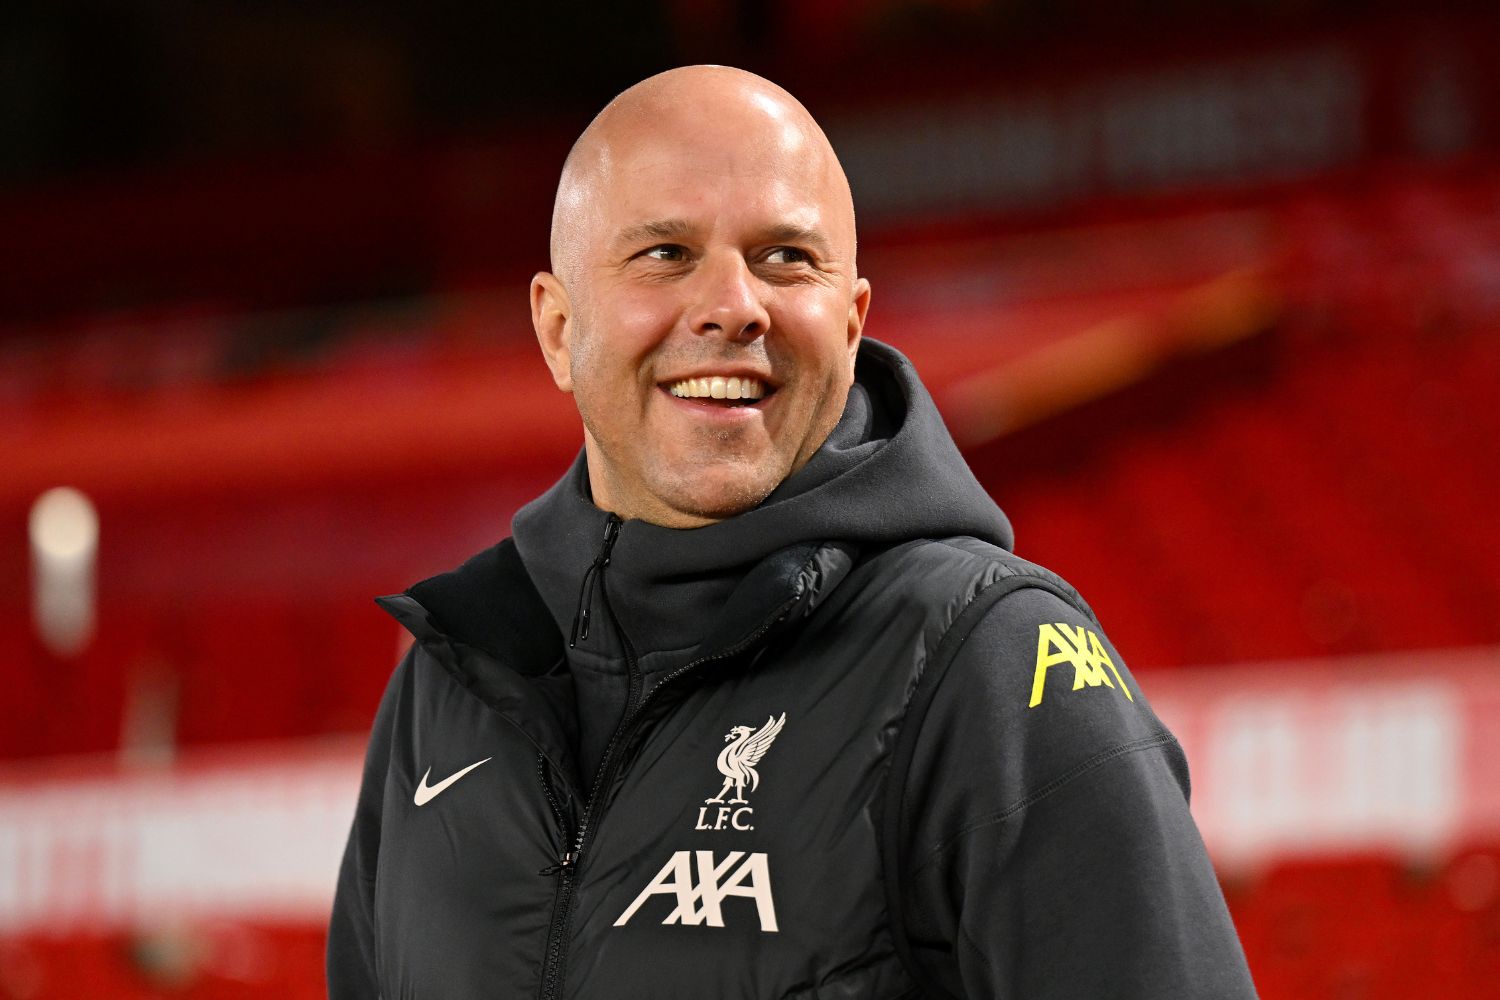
column 1048, row 848
column 350, row 959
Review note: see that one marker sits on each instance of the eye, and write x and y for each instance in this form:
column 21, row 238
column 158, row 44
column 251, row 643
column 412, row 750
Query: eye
column 667, row 252
column 788, row 255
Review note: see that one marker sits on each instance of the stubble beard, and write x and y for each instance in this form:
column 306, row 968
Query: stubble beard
column 695, row 484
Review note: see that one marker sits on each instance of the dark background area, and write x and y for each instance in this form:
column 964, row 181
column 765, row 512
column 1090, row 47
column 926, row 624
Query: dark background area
column 1208, row 294
column 100, row 87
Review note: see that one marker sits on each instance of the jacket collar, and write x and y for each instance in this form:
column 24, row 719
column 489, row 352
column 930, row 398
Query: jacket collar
column 887, row 473
column 488, row 603
column 485, row 623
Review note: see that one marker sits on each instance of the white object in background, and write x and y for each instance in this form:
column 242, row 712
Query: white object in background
column 64, row 529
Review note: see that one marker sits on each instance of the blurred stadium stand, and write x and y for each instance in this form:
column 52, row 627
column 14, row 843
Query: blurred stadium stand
column 1217, row 322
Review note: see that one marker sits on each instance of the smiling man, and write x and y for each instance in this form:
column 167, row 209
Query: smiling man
column 705, row 309
column 756, row 702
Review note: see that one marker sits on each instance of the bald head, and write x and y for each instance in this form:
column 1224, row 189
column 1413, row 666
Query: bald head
column 706, row 115
column 703, row 308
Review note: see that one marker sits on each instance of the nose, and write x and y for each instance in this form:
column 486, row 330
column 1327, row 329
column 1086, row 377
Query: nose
column 728, row 300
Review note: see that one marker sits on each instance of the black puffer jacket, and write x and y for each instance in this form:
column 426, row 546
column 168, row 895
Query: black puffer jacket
column 842, row 746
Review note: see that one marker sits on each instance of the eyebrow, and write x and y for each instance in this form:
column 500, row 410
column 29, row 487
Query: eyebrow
column 676, row 229
column 657, row 229
column 800, row 236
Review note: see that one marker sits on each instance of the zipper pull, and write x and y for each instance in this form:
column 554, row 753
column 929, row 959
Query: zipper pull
column 566, row 863
column 611, row 532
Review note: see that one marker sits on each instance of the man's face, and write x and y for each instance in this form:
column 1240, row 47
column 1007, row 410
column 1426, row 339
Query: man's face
column 714, row 261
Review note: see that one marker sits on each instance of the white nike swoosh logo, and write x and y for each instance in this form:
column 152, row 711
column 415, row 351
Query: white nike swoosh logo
column 426, row 793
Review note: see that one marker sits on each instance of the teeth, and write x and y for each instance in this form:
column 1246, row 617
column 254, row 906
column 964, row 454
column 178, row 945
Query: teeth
column 719, row 387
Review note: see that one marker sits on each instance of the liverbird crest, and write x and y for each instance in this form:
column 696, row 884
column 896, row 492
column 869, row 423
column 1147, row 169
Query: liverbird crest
column 737, row 760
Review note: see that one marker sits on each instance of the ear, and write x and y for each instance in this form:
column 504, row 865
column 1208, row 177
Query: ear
column 551, row 313
column 859, row 307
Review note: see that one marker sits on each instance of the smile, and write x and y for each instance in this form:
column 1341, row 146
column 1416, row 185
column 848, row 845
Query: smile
column 718, row 387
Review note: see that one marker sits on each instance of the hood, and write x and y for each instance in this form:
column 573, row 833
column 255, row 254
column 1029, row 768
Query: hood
column 888, row 473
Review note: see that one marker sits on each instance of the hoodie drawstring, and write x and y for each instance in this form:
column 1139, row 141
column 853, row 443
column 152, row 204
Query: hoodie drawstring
column 580, row 630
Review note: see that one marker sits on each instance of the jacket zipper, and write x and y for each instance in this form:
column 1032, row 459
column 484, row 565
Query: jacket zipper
column 557, row 811
column 563, row 897
column 567, row 866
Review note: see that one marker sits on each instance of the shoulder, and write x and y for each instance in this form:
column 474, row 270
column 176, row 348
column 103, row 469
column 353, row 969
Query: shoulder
column 1024, row 694
column 1010, row 624
column 1034, row 662
column 966, row 573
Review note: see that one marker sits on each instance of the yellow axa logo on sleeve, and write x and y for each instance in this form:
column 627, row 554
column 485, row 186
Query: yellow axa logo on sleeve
column 1061, row 643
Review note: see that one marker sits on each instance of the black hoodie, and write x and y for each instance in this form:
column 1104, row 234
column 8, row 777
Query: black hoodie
column 889, row 472
column 824, row 749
